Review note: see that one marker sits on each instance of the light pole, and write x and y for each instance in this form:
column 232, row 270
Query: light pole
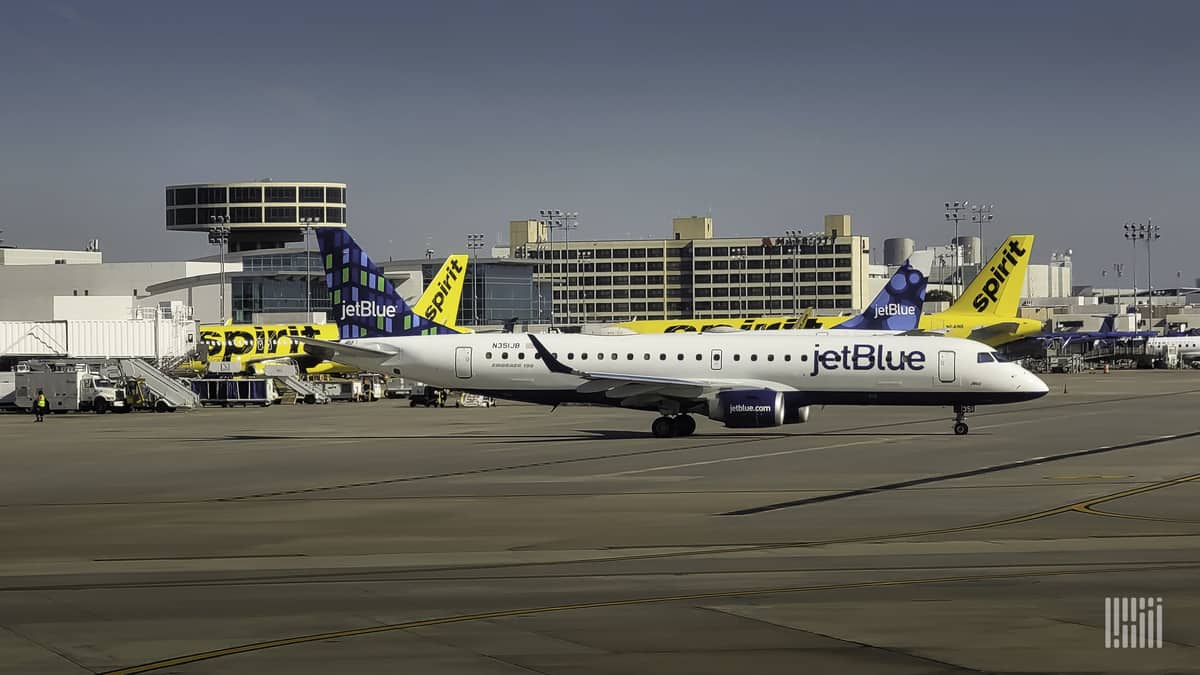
column 793, row 237
column 941, row 260
column 980, row 214
column 954, row 214
column 1131, row 234
column 309, row 223
column 218, row 234
column 1149, row 233
column 738, row 255
column 557, row 219
column 584, row 258
column 474, row 243
column 1119, row 270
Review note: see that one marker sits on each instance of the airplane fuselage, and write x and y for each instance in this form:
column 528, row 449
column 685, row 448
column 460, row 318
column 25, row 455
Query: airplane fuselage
column 809, row 367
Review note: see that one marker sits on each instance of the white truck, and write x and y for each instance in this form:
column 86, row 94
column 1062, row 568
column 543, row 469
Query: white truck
column 74, row 390
column 8, row 390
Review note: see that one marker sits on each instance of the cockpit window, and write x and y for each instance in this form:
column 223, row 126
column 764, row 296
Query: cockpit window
column 1000, row 358
column 985, row 357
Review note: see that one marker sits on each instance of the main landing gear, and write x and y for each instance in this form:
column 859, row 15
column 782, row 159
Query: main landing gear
column 960, row 416
column 679, row 425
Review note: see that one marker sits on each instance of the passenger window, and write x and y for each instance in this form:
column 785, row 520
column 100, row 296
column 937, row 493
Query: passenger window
column 716, row 357
column 679, row 357
column 520, row 355
column 770, row 357
column 487, row 355
column 804, row 357
column 737, row 357
column 646, row 357
column 629, row 356
column 662, row 357
column 787, row 357
column 754, row 357
column 583, row 356
column 614, row 356
column 537, row 355
column 504, row 355
column 984, row 357
column 570, row 356
column 600, row 356
column 699, row 357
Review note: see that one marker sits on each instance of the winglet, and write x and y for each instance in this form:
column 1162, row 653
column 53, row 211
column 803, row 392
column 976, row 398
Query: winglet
column 551, row 362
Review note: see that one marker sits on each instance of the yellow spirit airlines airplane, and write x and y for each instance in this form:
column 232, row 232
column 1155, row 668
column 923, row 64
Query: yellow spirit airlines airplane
column 251, row 346
column 986, row 311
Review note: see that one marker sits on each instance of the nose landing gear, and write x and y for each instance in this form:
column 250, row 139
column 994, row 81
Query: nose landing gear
column 679, row 425
column 960, row 416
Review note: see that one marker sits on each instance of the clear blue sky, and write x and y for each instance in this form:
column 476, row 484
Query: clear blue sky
column 454, row 117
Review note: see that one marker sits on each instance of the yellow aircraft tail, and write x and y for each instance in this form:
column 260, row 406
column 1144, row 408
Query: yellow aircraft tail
column 996, row 290
column 439, row 302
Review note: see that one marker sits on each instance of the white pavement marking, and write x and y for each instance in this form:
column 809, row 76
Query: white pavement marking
column 819, row 447
column 745, row 457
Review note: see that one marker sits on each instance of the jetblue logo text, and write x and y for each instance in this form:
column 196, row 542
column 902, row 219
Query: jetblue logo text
column 999, row 273
column 893, row 309
column 368, row 309
column 749, row 408
column 866, row 357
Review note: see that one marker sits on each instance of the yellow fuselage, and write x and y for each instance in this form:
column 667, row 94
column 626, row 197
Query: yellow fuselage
column 953, row 324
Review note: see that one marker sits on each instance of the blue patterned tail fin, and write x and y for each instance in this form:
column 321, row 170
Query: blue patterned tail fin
column 364, row 302
column 897, row 307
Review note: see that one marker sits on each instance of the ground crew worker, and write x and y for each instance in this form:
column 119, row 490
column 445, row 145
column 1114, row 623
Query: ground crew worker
column 40, row 405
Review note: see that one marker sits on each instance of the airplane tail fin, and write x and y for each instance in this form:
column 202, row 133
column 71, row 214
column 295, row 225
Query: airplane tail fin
column 897, row 307
column 439, row 302
column 996, row 290
column 365, row 303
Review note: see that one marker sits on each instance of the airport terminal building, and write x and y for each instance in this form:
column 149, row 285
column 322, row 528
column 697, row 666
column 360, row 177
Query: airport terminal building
column 695, row 274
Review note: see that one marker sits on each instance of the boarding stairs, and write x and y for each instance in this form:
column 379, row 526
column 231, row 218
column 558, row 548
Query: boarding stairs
column 306, row 392
column 163, row 386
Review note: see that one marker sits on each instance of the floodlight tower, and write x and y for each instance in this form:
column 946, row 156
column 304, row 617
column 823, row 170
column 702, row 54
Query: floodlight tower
column 954, row 214
column 218, row 235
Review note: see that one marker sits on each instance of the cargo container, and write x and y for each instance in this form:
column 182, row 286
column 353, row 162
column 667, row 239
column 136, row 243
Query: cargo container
column 228, row 392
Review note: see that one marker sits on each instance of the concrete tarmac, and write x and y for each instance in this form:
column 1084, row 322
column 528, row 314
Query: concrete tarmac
column 378, row 538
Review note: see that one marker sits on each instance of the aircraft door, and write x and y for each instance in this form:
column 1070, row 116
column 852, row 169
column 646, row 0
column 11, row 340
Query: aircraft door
column 462, row 362
column 715, row 359
column 945, row 367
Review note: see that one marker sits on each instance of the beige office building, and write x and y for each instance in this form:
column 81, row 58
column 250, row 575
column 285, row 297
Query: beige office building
column 695, row 274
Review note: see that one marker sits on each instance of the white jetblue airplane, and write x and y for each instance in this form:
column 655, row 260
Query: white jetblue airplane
column 759, row 379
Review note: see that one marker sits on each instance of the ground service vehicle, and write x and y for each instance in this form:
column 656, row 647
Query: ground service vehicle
column 73, row 390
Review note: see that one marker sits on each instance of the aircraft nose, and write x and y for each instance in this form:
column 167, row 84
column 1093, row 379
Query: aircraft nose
column 1033, row 384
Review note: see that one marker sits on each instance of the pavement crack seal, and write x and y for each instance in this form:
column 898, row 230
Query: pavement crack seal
column 1033, row 461
column 528, row 611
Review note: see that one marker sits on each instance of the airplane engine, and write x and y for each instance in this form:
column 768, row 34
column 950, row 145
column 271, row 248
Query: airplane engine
column 748, row 408
column 798, row 415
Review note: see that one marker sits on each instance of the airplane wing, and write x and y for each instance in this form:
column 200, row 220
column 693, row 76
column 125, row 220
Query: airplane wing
column 331, row 350
column 641, row 391
column 985, row 333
